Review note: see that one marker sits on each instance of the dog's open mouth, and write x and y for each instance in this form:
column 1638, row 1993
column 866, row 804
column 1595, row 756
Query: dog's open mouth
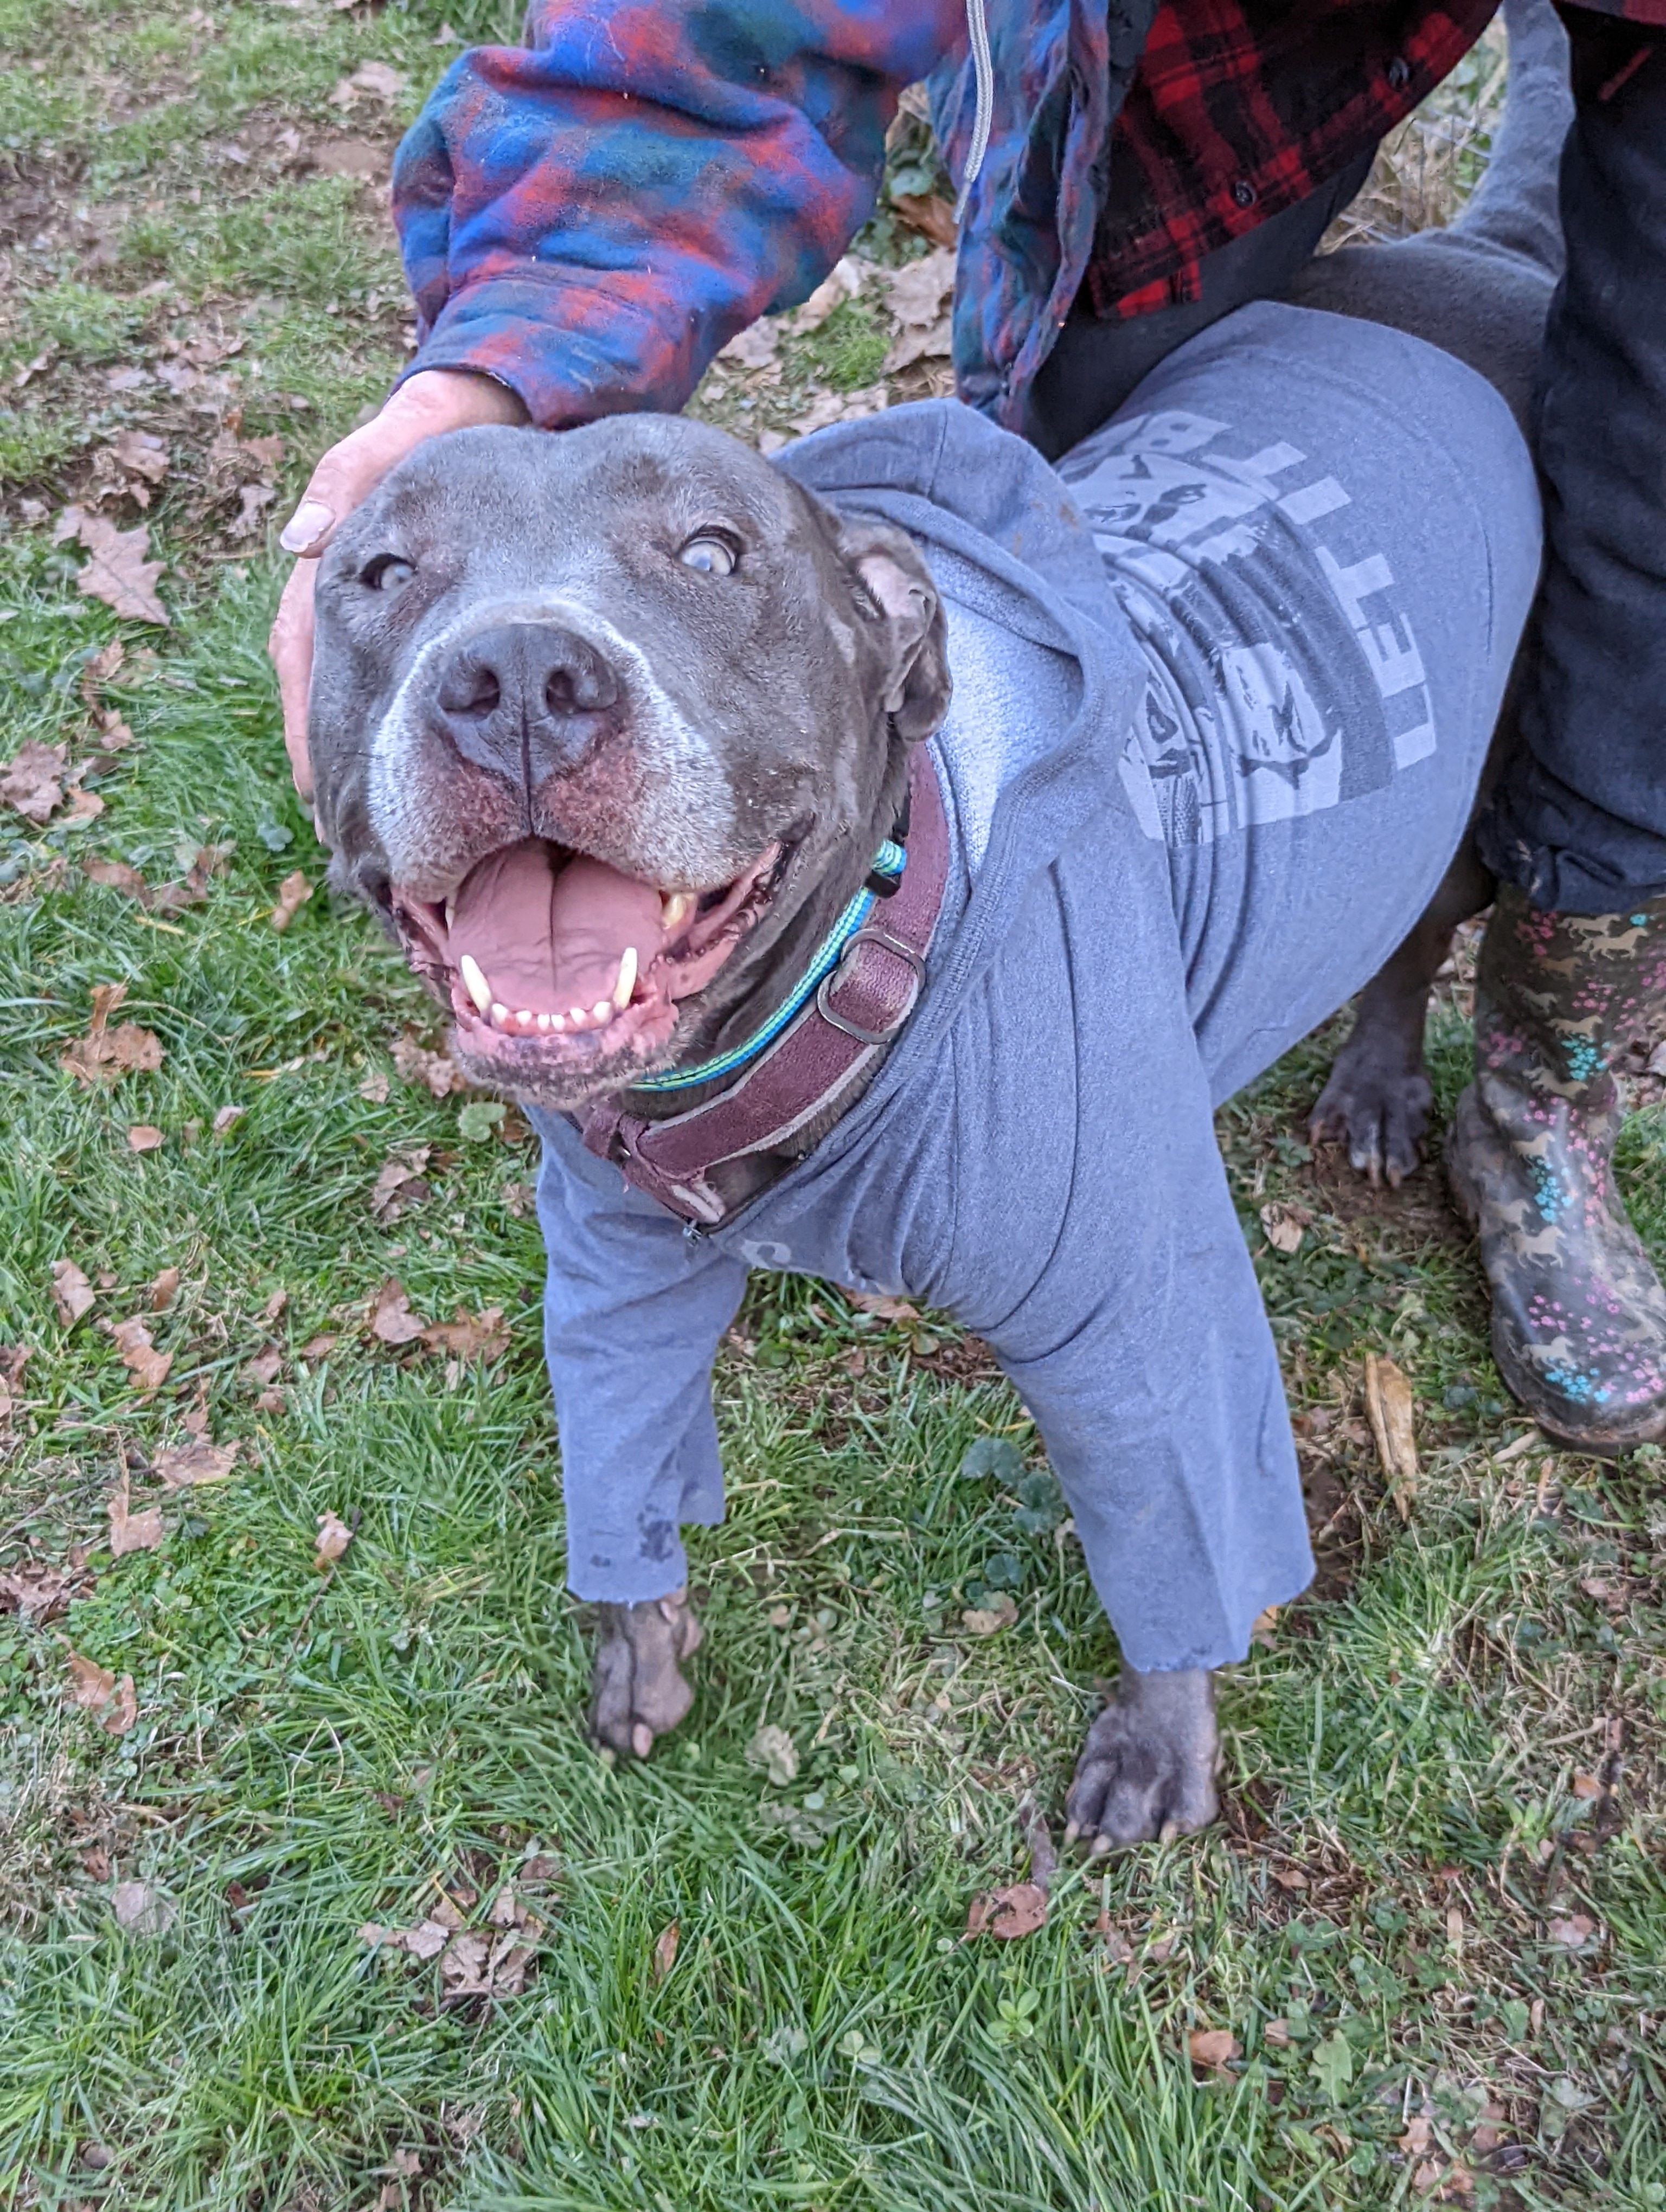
column 552, row 960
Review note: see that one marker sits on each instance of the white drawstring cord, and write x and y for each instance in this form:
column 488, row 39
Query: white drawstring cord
column 984, row 70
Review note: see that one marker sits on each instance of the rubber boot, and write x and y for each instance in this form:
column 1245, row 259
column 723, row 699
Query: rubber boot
column 1578, row 1313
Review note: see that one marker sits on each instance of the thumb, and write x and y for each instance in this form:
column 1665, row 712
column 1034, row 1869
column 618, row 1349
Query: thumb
column 429, row 404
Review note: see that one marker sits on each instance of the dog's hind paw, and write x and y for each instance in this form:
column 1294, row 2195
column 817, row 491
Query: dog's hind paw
column 1379, row 1113
column 639, row 1689
column 1147, row 1769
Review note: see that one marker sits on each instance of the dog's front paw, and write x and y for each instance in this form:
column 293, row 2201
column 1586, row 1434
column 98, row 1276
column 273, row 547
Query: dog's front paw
column 1147, row 1769
column 639, row 1688
column 1379, row 1111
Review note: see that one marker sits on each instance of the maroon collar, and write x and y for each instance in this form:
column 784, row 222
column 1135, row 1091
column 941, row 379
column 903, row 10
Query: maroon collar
column 853, row 1017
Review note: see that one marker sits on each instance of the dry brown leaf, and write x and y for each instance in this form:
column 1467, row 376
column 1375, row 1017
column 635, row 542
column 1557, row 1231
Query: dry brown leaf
column 374, row 1088
column 182, row 1467
column 265, row 1367
column 333, row 1538
column 844, row 281
column 1389, row 1409
column 113, row 1053
column 376, row 78
column 463, row 1966
column 141, row 1910
column 293, row 894
column 148, row 1366
column 427, row 1071
column 72, row 1294
column 145, row 1136
column 391, row 1317
column 316, row 1346
column 1572, row 1934
column 1285, row 1224
column 754, row 347
column 1213, row 2046
column 1263, row 1629
column 164, row 1288
column 400, row 1185
column 141, row 454
column 32, row 783
column 116, row 876
column 226, row 1117
column 252, row 500
column 428, row 1940
column 1415, row 2141
column 268, row 451
column 884, row 1308
column 934, row 343
column 930, row 214
column 37, row 1591
column 917, row 291
column 116, row 569
column 1018, row 1910
column 1276, row 2034
column 84, row 805
column 113, row 1704
column 130, row 1531
column 665, row 1949
column 479, row 1336
column 1586, row 1785
column 989, row 1620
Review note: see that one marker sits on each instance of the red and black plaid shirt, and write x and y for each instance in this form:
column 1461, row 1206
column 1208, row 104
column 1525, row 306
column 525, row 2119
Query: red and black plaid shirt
column 1242, row 107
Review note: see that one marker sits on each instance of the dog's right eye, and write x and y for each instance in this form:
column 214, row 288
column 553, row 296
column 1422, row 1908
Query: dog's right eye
column 387, row 573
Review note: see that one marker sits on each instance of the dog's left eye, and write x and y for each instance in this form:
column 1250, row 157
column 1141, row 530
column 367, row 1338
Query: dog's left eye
column 711, row 555
column 387, row 574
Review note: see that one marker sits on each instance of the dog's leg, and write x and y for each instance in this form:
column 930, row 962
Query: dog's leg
column 1377, row 1102
column 1147, row 1770
column 640, row 1690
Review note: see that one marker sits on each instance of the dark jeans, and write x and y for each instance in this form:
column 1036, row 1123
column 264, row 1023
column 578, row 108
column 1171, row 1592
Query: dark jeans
column 1579, row 820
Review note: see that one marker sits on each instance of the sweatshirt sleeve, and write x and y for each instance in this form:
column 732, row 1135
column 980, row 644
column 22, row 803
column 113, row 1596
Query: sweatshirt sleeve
column 632, row 1318
column 1112, row 1276
column 590, row 217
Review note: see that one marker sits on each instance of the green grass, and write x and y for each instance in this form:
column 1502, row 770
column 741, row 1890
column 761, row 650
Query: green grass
column 312, row 1752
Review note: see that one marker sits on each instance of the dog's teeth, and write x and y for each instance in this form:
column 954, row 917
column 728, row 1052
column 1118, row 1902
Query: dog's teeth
column 527, row 1019
column 577, row 1016
column 554, row 1021
column 602, row 1009
column 627, row 983
column 474, row 982
column 500, row 1013
column 674, row 907
column 544, row 1021
column 449, row 911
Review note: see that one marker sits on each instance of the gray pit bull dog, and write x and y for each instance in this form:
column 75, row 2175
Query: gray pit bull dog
column 608, row 727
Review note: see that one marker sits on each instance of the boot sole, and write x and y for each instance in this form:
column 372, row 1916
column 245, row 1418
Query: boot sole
column 1521, row 1381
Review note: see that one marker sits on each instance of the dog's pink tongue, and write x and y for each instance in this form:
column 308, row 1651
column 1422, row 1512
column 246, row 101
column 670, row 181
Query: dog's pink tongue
column 547, row 939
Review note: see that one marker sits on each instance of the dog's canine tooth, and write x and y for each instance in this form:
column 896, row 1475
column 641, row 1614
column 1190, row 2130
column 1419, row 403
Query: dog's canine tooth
column 475, row 983
column 627, row 983
column 673, row 907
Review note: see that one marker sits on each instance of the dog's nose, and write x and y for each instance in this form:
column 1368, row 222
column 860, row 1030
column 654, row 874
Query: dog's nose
column 527, row 699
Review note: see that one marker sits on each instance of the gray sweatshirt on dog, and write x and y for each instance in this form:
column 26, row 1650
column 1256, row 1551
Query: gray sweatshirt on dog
column 1224, row 685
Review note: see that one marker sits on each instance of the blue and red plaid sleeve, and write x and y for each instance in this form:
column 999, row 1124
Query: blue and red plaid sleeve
column 590, row 217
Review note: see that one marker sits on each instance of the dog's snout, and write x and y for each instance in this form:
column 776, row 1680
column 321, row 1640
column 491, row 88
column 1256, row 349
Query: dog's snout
column 526, row 698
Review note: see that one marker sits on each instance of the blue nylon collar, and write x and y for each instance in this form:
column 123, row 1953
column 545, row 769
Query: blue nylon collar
column 889, row 861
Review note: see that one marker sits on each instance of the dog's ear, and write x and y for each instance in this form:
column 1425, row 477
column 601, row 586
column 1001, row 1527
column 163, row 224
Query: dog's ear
column 894, row 594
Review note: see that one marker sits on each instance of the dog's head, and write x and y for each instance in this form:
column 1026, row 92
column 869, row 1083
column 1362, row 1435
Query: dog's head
column 595, row 717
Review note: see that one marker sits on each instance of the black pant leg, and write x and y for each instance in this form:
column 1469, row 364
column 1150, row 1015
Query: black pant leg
column 1098, row 362
column 1579, row 821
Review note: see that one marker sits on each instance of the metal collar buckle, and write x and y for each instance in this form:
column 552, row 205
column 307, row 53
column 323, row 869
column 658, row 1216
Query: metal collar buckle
column 873, row 934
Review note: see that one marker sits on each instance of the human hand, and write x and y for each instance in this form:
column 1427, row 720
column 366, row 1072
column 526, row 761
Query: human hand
column 433, row 401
